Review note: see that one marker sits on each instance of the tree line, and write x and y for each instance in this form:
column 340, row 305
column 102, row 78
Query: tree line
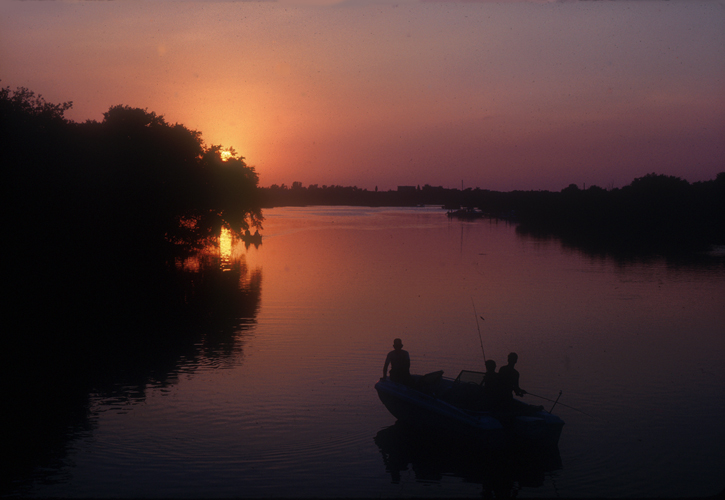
column 654, row 212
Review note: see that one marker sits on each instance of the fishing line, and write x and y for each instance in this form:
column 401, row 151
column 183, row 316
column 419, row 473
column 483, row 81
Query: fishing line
column 479, row 329
column 560, row 404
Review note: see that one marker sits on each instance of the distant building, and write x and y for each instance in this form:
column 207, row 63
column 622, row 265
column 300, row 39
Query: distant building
column 406, row 189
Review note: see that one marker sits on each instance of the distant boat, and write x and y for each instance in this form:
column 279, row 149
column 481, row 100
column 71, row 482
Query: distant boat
column 466, row 213
column 459, row 408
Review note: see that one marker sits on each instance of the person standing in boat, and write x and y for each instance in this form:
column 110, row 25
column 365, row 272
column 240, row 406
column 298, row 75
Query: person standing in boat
column 509, row 379
column 399, row 362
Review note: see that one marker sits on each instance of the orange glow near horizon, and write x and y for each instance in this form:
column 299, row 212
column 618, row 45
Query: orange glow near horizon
column 502, row 95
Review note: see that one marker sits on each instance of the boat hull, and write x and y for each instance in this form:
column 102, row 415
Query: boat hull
column 430, row 413
column 427, row 410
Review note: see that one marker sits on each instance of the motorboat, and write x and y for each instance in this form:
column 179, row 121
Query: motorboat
column 461, row 408
column 466, row 213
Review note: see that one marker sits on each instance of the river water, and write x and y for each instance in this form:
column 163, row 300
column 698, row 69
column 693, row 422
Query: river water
column 282, row 403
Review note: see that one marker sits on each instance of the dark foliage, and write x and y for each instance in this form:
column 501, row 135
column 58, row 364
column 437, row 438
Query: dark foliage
column 655, row 213
column 132, row 176
column 97, row 215
column 97, row 205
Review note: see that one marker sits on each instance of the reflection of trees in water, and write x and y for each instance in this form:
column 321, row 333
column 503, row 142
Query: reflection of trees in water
column 623, row 251
column 153, row 328
column 501, row 474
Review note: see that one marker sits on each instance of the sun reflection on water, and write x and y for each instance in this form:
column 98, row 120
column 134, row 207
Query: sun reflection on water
column 225, row 248
column 218, row 253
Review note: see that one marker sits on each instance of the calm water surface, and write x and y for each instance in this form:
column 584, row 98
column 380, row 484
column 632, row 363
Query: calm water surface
column 286, row 407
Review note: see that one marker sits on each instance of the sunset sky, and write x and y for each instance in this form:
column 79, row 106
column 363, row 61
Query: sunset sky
column 507, row 95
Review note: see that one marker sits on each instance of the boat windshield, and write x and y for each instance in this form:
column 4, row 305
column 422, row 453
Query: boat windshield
column 469, row 377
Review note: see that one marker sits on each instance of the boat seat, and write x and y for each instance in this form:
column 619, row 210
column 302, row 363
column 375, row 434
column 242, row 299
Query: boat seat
column 426, row 383
column 469, row 396
column 431, row 378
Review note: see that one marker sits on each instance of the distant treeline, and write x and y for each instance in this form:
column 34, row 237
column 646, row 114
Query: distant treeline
column 655, row 211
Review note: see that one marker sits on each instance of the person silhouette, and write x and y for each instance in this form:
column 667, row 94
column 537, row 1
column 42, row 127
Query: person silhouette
column 399, row 362
column 490, row 379
column 509, row 379
column 492, row 389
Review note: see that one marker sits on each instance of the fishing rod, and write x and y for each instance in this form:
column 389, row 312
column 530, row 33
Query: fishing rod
column 479, row 329
column 480, row 338
column 557, row 402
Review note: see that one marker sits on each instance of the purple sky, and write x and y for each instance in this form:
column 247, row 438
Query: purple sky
column 510, row 95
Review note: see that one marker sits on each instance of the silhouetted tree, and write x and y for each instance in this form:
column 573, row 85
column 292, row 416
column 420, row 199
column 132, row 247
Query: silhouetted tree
column 95, row 215
column 98, row 211
column 164, row 186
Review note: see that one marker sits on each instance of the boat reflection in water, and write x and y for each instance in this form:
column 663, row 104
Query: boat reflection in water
column 501, row 473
